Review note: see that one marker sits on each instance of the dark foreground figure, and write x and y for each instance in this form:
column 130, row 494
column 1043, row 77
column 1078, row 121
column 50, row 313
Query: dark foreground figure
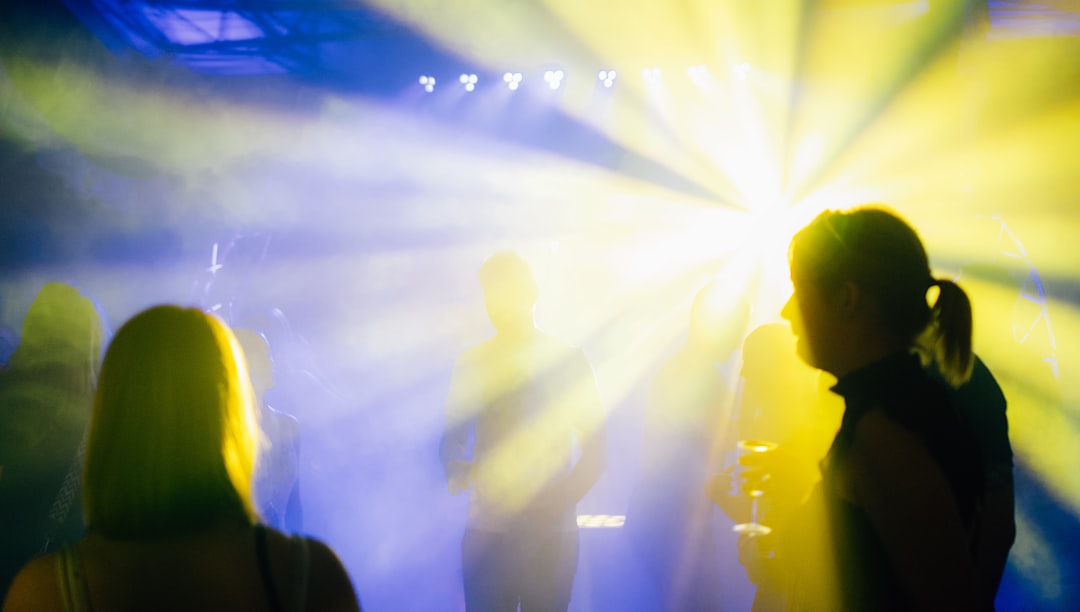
column 893, row 524
column 167, row 489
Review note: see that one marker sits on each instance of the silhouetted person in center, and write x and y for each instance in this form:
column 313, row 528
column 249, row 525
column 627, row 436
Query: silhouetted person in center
column 167, row 489
column 893, row 523
column 524, row 397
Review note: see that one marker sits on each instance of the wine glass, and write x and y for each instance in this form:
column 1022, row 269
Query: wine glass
column 755, row 478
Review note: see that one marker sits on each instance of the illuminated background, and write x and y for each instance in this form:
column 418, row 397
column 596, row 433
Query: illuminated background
column 283, row 163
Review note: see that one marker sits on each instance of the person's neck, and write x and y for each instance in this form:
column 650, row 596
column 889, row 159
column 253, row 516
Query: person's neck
column 871, row 350
column 521, row 333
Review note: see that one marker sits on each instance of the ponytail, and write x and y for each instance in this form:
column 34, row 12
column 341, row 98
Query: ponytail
column 951, row 331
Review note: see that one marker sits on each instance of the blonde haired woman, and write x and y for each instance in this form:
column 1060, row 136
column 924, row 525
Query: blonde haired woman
column 168, row 489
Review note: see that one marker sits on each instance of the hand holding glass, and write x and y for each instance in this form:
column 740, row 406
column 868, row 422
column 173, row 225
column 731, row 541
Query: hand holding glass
column 750, row 452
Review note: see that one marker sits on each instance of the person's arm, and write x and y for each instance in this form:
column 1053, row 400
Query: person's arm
column 35, row 588
column 588, row 419
column 997, row 532
column 986, row 407
column 459, row 414
column 911, row 506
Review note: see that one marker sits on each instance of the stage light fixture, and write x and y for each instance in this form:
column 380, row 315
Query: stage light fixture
column 554, row 78
column 651, row 75
column 469, row 81
column 428, row 83
column 607, row 77
column 741, row 70
column 697, row 73
column 512, row 80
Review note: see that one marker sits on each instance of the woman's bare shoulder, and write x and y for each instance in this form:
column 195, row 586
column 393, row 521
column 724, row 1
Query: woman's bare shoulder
column 330, row 587
column 893, row 458
column 36, row 587
column 877, row 432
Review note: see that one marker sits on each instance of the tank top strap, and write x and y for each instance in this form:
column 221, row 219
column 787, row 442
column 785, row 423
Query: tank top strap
column 72, row 583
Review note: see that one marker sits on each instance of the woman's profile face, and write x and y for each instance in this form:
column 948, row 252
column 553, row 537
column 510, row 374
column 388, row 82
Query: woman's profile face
column 814, row 324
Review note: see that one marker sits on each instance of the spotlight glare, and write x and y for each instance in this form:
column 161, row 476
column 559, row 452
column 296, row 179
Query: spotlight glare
column 512, row 79
column 428, row 83
column 607, row 77
column 554, row 78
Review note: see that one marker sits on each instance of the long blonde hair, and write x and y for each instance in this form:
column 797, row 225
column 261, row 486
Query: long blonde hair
column 173, row 438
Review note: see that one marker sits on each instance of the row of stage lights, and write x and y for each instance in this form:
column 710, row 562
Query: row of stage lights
column 512, row 80
column 606, row 78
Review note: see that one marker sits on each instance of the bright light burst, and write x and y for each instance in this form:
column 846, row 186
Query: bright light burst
column 907, row 105
column 782, row 115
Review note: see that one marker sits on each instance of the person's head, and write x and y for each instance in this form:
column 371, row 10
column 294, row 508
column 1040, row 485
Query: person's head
column 173, row 438
column 62, row 327
column 861, row 281
column 510, row 292
column 718, row 319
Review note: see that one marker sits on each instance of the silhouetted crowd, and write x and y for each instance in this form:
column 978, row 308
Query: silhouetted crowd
column 861, row 449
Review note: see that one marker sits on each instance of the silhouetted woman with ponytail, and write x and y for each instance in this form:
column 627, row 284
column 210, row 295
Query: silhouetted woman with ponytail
column 892, row 524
